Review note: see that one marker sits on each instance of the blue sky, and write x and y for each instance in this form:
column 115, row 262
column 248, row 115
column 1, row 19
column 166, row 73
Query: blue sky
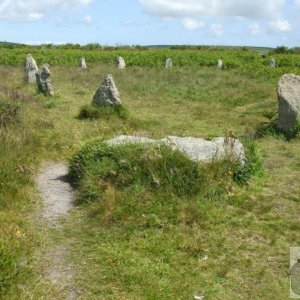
column 146, row 22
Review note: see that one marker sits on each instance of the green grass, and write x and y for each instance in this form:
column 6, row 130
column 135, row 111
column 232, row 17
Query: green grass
column 90, row 111
column 138, row 241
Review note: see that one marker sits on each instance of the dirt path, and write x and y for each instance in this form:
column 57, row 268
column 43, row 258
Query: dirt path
column 57, row 192
column 58, row 198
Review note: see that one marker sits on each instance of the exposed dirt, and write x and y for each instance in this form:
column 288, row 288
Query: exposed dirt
column 58, row 197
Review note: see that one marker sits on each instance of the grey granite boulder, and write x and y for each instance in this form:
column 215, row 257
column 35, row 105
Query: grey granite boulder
column 196, row 149
column 82, row 64
column 288, row 92
column 43, row 80
column 169, row 63
column 121, row 63
column 30, row 69
column 107, row 94
column 219, row 64
column 272, row 63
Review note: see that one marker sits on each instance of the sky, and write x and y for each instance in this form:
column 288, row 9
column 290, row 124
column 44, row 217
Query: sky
column 263, row 23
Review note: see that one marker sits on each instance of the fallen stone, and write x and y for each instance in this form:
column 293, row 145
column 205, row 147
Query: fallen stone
column 196, row 149
column 82, row 64
column 272, row 63
column 30, row 69
column 121, row 63
column 288, row 92
column 44, row 81
column 169, row 63
column 107, row 94
column 219, row 64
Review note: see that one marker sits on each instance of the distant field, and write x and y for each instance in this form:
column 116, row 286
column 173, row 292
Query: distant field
column 234, row 57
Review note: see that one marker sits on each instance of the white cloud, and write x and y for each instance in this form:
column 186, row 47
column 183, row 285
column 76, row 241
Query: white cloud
column 254, row 28
column 216, row 29
column 32, row 10
column 192, row 24
column 280, row 26
column 197, row 8
column 297, row 2
column 88, row 20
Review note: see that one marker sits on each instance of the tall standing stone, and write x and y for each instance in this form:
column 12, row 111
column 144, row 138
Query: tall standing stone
column 44, row 81
column 30, row 69
column 272, row 63
column 121, row 63
column 288, row 92
column 107, row 94
column 82, row 64
column 169, row 63
column 219, row 64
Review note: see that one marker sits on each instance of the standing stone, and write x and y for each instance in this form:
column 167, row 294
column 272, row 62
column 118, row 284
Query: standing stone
column 169, row 63
column 288, row 92
column 30, row 69
column 82, row 64
column 43, row 80
column 272, row 63
column 107, row 94
column 219, row 64
column 121, row 63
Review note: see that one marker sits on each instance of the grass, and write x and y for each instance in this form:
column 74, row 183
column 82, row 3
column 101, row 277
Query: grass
column 90, row 111
column 138, row 242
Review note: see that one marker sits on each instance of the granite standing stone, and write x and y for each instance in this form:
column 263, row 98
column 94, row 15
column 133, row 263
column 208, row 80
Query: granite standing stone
column 121, row 63
column 272, row 63
column 169, row 63
column 30, row 69
column 107, row 94
column 288, row 92
column 82, row 64
column 219, row 64
column 44, row 81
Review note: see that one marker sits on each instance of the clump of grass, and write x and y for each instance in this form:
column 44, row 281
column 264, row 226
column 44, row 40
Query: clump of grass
column 271, row 129
column 130, row 165
column 9, row 112
column 90, row 111
column 157, row 169
column 253, row 165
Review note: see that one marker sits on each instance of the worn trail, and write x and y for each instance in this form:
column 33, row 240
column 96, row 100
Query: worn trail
column 57, row 192
column 58, row 198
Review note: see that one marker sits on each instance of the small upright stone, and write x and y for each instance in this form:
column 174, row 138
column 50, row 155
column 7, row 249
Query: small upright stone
column 82, row 64
column 121, row 63
column 219, row 64
column 169, row 63
column 288, row 92
column 43, row 80
column 30, row 69
column 107, row 94
column 272, row 63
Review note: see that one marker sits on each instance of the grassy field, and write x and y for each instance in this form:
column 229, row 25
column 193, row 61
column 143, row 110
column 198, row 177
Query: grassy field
column 138, row 244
